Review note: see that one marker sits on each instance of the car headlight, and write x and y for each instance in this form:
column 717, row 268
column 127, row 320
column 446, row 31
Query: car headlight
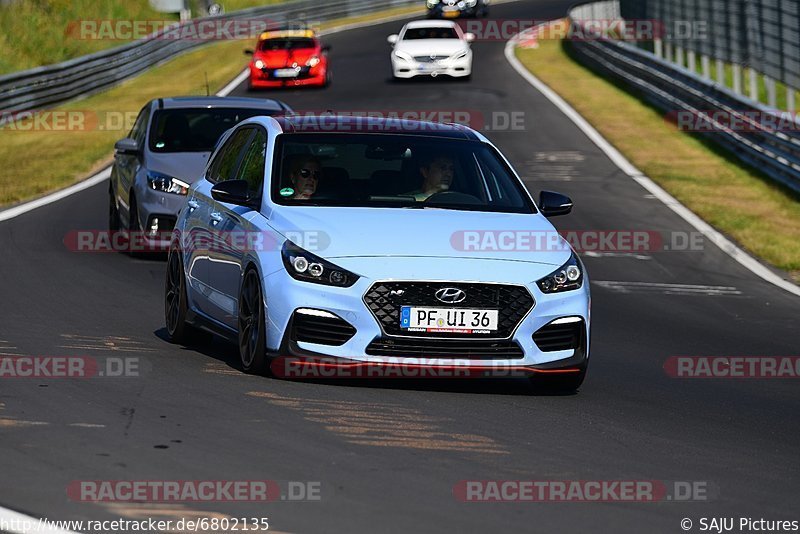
column 432, row 3
column 566, row 278
column 459, row 55
column 260, row 64
column 166, row 184
column 471, row 3
column 313, row 61
column 403, row 55
column 304, row 266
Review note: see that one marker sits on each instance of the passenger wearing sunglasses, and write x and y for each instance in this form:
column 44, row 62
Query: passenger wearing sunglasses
column 304, row 174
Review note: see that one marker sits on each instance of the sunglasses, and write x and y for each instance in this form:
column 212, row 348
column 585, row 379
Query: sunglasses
column 305, row 173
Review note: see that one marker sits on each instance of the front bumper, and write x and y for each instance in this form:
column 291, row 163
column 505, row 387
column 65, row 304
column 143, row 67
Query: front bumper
column 157, row 206
column 286, row 295
column 453, row 68
column 453, row 12
column 265, row 78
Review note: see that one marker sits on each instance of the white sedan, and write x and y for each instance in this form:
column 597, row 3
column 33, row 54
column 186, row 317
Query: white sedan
column 431, row 48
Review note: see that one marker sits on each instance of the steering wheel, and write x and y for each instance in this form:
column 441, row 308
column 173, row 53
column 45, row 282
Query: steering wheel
column 454, row 197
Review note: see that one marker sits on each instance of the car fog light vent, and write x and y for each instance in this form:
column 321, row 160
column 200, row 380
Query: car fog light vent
column 560, row 335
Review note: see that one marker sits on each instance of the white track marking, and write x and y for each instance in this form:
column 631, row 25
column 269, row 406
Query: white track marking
column 749, row 262
column 668, row 289
column 16, row 211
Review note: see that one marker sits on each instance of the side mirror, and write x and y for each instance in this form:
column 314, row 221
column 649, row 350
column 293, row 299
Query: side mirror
column 248, row 52
column 233, row 192
column 469, row 37
column 127, row 146
column 553, row 204
column 392, row 39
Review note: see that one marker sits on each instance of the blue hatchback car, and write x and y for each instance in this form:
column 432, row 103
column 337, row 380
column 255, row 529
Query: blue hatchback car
column 360, row 241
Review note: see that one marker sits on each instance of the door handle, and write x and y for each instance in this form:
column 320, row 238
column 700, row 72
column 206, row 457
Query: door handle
column 193, row 205
column 216, row 217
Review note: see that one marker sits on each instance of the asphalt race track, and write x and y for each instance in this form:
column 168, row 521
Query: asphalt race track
column 193, row 415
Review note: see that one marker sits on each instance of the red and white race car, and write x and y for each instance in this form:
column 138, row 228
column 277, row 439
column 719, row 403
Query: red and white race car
column 289, row 58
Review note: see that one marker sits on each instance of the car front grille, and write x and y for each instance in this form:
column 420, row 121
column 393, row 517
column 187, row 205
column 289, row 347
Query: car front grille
column 445, row 349
column 552, row 337
column 429, row 59
column 385, row 299
column 322, row 330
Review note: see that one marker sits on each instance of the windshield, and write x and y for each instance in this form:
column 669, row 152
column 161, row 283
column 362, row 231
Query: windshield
column 286, row 43
column 401, row 171
column 430, row 33
column 195, row 130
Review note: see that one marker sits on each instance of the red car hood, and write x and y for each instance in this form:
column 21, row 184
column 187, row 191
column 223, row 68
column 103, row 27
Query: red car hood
column 285, row 58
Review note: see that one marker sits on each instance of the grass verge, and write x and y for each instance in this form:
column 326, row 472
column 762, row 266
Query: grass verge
column 39, row 161
column 762, row 217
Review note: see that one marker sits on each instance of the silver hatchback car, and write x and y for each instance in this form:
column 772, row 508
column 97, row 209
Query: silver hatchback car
column 165, row 152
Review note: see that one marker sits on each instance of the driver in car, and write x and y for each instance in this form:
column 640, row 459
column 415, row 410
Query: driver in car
column 438, row 172
column 304, row 173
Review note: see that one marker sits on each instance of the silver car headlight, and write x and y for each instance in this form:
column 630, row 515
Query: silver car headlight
column 166, row 184
column 459, row 55
column 566, row 278
column 432, row 3
column 304, row 266
column 471, row 3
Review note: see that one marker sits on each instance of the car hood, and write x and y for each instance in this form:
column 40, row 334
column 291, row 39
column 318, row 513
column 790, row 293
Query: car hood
column 426, row 47
column 338, row 233
column 284, row 58
column 187, row 166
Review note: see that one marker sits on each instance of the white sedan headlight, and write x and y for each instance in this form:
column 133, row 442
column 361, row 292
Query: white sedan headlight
column 459, row 55
column 403, row 55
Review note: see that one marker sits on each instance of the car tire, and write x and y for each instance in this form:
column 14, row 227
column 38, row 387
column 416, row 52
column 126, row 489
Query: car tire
column 252, row 331
column 175, row 303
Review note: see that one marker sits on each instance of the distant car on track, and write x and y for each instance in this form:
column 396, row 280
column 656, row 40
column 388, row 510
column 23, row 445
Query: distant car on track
column 289, row 58
column 450, row 9
column 387, row 280
column 165, row 153
column 431, row 48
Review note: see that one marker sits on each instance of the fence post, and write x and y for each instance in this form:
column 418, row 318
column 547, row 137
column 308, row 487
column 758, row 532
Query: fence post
column 658, row 48
column 790, row 104
column 705, row 62
column 720, row 72
column 753, row 78
column 737, row 78
column 772, row 96
column 679, row 55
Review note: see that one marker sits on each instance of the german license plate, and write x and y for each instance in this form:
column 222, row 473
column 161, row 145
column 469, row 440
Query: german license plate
column 286, row 73
column 455, row 320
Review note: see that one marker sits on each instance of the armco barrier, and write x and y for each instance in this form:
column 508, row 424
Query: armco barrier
column 672, row 88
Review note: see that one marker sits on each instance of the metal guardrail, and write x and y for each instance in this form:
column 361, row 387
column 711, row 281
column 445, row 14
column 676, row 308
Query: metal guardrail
column 675, row 89
column 53, row 84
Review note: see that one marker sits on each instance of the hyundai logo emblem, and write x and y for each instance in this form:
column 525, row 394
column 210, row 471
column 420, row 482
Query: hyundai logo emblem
column 451, row 295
